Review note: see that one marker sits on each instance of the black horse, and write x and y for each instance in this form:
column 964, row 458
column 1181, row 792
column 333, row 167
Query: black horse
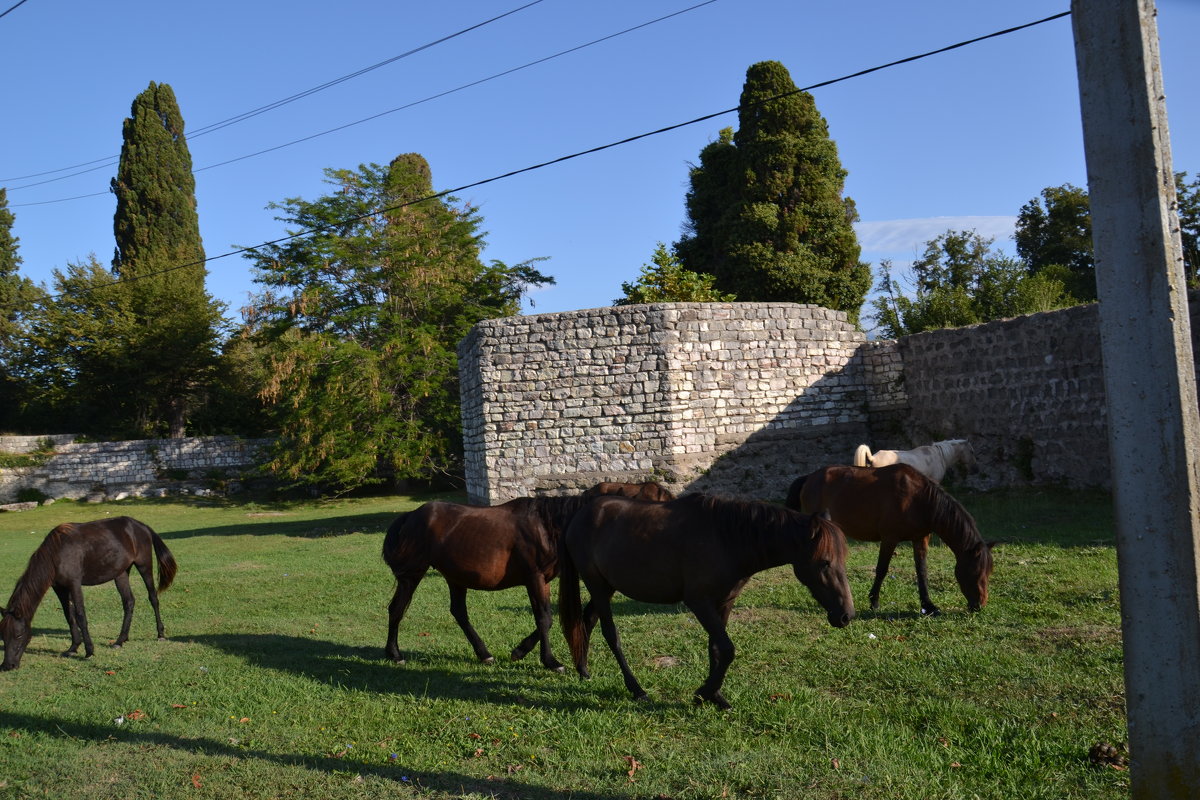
column 699, row 550
column 78, row 554
column 489, row 548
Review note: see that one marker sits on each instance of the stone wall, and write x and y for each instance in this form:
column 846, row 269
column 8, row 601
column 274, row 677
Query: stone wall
column 151, row 467
column 722, row 397
column 740, row 398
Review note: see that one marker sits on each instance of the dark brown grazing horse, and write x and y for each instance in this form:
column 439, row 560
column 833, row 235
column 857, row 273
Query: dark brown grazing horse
column 488, row 548
column 896, row 504
column 699, row 550
column 78, row 554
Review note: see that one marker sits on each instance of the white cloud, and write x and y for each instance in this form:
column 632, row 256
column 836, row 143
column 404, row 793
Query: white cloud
column 907, row 237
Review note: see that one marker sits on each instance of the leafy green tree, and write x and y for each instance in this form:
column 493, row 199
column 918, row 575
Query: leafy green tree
column 765, row 211
column 1188, row 197
column 664, row 280
column 160, row 260
column 1057, row 230
column 361, row 319
column 959, row 280
column 18, row 295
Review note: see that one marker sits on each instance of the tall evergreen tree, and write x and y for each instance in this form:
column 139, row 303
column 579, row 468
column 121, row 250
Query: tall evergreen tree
column 765, row 212
column 362, row 318
column 17, row 296
column 160, row 259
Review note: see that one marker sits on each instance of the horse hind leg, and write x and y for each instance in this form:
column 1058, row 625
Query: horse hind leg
column 122, row 582
column 458, row 610
column 886, row 550
column 147, row 574
column 921, row 561
column 405, row 586
column 80, row 627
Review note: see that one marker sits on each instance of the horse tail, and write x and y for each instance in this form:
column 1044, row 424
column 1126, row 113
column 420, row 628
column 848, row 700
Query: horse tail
column 794, row 493
column 166, row 562
column 570, row 608
column 391, row 540
column 862, row 456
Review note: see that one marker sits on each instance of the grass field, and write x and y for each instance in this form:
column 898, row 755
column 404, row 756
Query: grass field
column 272, row 685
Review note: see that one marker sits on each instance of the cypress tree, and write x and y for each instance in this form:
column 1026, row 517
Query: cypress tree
column 765, row 212
column 159, row 257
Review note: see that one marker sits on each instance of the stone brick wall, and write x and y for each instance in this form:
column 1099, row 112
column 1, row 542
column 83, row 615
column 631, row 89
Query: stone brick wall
column 722, row 397
column 151, row 467
column 740, row 398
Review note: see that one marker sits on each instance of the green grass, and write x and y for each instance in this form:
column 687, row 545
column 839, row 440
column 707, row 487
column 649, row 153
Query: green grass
column 272, row 683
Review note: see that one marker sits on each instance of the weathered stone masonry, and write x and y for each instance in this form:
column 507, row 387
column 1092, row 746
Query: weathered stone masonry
column 741, row 398
column 555, row 402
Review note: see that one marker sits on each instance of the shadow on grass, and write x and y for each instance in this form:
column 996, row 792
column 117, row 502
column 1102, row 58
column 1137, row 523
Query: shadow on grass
column 449, row 782
column 366, row 669
column 271, row 523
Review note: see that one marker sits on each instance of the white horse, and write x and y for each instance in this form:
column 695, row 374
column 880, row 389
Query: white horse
column 931, row 460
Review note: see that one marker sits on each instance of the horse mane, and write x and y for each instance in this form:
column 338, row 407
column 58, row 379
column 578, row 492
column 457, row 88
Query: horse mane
column 38, row 575
column 732, row 517
column 952, row 522
column 554, row 513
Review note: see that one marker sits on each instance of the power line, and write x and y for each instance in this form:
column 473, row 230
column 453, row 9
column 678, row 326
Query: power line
column 381, row 113
column 245, row 115
column 13, row 8
column 581, row 153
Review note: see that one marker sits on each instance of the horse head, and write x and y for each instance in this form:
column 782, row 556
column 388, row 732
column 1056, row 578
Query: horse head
column 822, row 568
column 972, row 570
column 14, row 631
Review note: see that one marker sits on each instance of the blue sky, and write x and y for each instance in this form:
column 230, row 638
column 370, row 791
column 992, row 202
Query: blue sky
column 960, row 140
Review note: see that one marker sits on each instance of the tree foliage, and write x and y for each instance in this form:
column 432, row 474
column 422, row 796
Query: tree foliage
column 1188, row 198
column 960, row 280
column 361, row 318
column 664, row 280
column 765, row 211
column 1057, row 231
column 18, row 295
column 160, row 259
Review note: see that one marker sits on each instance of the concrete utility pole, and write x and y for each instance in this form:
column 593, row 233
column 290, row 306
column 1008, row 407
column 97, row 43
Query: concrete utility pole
column 1154, row 426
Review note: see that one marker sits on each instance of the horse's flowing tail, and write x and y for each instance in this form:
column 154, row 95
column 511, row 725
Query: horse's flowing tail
column 166, row 562
column 862, row 456
column 391, row 540
column 570, row 608
column 794, row 493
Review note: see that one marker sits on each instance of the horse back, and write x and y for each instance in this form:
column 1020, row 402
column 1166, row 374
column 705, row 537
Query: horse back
column 91, row 553
column 870, row 504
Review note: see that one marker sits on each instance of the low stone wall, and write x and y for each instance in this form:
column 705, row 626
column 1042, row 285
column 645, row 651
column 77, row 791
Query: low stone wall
column 150, row 467
column 721, row 397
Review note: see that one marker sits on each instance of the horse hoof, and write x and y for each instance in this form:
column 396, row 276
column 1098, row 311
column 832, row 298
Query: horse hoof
column 489, row 660
column 116, row 646
column 560, row 669
column 641, row 698
column 932, row 611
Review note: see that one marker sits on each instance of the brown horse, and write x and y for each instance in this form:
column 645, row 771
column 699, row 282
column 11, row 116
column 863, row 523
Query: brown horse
column 896, row 504
column 699, row 550
column 488, row 548
column 75, row 555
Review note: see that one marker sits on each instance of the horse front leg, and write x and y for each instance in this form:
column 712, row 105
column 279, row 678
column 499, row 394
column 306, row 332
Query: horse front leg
column 458, row 610
column 920, row 559
column 64, row 598
column 122, row 582
column 539, row 601
column 80, row 614
column 886, row 550
column 720, row 653
column 405, row 586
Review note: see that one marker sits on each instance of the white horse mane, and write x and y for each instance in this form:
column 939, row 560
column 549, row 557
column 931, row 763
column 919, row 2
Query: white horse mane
column 931, row 460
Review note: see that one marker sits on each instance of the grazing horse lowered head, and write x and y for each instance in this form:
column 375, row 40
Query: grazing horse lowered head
column 931, row 460
column 72, row 556
column 489, row 548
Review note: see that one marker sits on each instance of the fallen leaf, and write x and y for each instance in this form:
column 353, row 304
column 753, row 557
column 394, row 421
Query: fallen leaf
column 178, row 705
column 136, row 714
column 634, row 766
column 836, row 764
column 478, row 752
column 474, row 736
column 244, row 720
column 196, row 781
column 955, row 764
column 110, row 672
